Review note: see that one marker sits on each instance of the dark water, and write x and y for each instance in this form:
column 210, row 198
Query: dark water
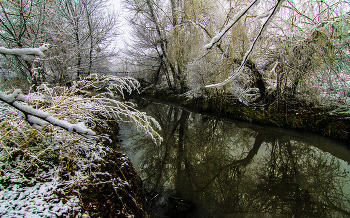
column 210, row 167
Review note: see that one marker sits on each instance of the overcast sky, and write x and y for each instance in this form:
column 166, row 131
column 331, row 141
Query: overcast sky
column 123, row 34
column 116, row 4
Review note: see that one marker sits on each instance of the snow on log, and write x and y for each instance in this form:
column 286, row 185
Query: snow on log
column 38, row 118
column 25, row 51
column 16, row 95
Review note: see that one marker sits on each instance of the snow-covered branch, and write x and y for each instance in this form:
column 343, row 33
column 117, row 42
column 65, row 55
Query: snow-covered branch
column 38, row 118
column 263, row 28
column 25, row 51
column 234, row 20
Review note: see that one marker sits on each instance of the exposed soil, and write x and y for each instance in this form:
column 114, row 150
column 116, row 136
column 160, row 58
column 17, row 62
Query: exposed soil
column 116, row 191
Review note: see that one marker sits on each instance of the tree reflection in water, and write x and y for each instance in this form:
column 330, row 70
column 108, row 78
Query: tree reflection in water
column 235, row 169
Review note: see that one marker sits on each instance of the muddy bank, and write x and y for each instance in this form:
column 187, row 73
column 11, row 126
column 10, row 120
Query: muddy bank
column 116, row 189
column 295, row 115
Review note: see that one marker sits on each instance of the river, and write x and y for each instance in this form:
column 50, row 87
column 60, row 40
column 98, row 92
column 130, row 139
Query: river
column 214, row 167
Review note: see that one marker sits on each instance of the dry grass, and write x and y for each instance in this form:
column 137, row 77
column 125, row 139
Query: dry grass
column 22, row 146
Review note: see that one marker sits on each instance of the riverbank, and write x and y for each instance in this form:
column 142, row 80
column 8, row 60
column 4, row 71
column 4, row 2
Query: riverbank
column 52, row 172
column 101, row 183
column 295, row 116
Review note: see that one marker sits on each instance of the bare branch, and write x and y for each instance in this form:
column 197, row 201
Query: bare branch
column 240, row 69
column 236, row 18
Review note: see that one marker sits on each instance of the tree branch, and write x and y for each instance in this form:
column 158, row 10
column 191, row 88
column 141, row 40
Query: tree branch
column 236, row 18
column 263, row 28
column 38, row 118
column 25, row 51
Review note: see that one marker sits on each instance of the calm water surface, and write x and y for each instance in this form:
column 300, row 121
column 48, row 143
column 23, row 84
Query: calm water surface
column 211, row 167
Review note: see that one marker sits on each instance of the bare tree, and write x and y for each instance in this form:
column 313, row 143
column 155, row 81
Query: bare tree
column 80, row 33
column 162, row 31
column 20, row 24
column 92, row 27
column 256, row 56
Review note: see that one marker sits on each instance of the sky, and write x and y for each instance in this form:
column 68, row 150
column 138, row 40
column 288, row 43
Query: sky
column 124, row 35
column 117, row 4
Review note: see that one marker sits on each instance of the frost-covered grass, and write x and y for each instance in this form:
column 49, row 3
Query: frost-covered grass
column 41, row 167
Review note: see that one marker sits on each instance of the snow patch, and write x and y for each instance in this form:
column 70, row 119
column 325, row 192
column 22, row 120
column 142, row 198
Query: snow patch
column 39, row 200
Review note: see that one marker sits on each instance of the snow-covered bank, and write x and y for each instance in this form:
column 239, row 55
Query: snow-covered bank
column 112, row 188
column 52, row 172
column 21, row 197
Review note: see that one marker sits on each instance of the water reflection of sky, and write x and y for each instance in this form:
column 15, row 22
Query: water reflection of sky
column 228, row 168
